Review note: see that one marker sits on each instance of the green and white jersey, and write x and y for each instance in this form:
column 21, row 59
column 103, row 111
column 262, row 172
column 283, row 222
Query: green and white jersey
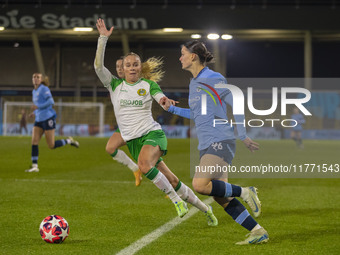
column 131, row 102
column 132, row 105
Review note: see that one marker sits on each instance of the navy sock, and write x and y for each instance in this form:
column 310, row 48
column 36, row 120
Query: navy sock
column 35, row 154
column 240, row 214
column 218, row 188
column 60, row 143
column 224, row 189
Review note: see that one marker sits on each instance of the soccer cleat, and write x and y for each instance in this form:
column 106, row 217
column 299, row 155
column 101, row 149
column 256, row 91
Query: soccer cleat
column 212, row 220
column 181, row 208
column 73, row 142
column 34, row 168
column 256, row 237
column 138, row 177
column 253, row 201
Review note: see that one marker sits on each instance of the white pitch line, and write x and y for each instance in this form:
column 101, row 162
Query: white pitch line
column 70, row 181
column 157, row 233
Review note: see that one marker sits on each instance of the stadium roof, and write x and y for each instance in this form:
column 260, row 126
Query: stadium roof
column 245, row 19
column 198, row 3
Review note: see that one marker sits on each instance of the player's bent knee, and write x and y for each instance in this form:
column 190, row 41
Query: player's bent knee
column 110, row 149
column 173, row 181
column 144, row 166
column 198, row 187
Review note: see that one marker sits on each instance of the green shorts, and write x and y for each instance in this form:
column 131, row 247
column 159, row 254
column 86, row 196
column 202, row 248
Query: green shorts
column 154, row 138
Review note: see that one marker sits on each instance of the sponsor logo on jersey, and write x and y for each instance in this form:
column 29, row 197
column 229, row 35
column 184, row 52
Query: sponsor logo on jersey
column 204, row 97
column 141, row 92
column 209, row 93
column 131, row 103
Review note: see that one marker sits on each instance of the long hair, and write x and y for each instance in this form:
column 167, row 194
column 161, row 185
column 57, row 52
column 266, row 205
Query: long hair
column 200, row 50
column 44, row 79
column 151, row 68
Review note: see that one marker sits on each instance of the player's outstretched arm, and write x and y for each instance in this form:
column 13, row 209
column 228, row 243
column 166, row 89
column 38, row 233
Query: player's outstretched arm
column 165, row 103
column 102, row 72
column 173, row 102
column 169, row 105
column 102, row 28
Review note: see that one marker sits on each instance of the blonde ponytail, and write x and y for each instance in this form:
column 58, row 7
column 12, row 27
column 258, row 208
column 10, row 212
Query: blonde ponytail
column 152, row 69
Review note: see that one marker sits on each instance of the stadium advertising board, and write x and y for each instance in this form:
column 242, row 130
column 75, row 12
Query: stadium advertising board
column 52, row 20
column 155, row 17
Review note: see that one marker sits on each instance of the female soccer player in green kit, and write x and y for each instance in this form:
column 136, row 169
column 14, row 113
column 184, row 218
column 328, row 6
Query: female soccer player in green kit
column 132, row 99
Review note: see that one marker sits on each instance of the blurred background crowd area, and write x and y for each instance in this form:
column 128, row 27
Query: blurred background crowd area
column 271, row 44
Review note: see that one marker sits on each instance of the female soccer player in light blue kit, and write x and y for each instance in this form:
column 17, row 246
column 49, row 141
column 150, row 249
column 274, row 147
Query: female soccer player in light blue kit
column 217, row 144
column 296, row 133
column 44, row 120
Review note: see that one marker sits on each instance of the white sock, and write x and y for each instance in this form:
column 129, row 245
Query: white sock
column 244, row 193
column 34, row 165
column 164, row 185
column 122, row 158
column 188, row 195
column 258, row 226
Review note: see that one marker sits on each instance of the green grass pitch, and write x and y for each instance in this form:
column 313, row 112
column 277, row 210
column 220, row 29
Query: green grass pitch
column 106, row 212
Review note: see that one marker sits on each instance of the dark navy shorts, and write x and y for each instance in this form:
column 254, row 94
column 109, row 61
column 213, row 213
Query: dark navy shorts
column 46, row 124
column 224, row 149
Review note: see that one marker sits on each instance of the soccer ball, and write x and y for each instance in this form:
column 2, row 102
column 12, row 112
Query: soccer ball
column 54, row 229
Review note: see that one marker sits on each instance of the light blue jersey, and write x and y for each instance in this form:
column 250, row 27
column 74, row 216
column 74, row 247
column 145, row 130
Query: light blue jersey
column 217, row 99
column 43, row 99
column 299, row 119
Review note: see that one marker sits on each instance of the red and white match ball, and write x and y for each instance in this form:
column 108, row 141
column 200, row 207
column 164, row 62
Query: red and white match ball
column 54, row 229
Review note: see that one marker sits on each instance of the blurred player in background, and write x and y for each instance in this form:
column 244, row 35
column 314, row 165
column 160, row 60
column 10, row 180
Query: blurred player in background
column 23, row 121
column 296, row 133
column 45, row 117
column 217, row 144
column 119, row 67
column 132, row 100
